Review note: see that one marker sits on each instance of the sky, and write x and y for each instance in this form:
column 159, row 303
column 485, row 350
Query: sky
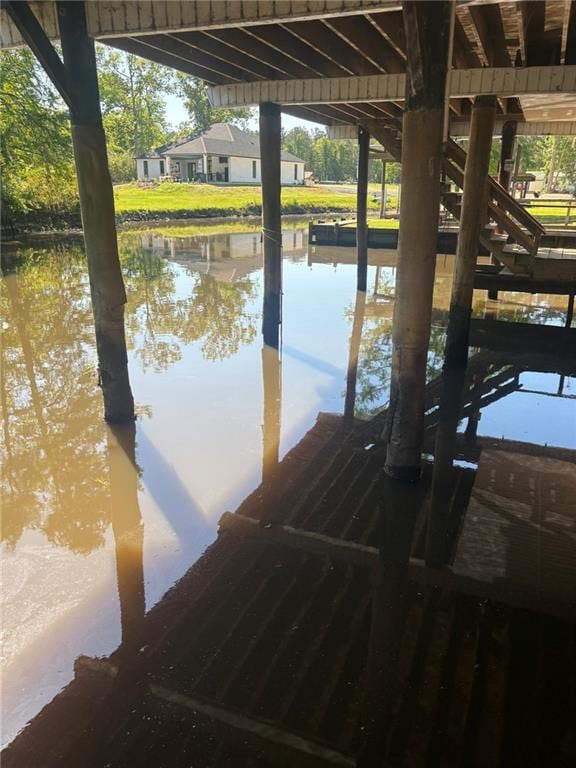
column 176, row 114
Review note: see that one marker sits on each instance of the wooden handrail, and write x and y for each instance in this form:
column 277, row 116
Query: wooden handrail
column 497, row 213
column 497, row 192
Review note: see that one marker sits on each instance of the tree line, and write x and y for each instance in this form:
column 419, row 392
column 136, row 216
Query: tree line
column 36, row 150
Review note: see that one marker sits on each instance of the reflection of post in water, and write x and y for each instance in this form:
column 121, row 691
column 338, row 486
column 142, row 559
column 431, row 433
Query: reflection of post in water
column 272, row 379
column 444, row 476
column 127, row 528
column 390, row 581
column 355, row 339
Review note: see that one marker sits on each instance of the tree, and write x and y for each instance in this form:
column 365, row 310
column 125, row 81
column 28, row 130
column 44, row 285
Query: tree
column 202, row 114
column 36, row 146
column 132, row 93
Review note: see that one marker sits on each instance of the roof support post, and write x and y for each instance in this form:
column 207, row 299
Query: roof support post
column 383, row 192
column 270, row 140
column 361, row 209
column 507, row 153
column 427, row 27
column 97, row 206
column 472, row 219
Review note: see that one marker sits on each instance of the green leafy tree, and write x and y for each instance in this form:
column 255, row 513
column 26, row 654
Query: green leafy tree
column 36, row 146
column 132, row 93
column 202, row 114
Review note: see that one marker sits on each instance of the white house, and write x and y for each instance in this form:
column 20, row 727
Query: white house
column 222, row 154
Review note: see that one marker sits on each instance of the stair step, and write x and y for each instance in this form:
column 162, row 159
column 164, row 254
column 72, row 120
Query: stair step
column 496, row 238
column 515, row 249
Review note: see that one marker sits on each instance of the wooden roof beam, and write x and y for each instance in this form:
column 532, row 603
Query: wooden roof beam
column 33, row 33
column 505, row 82
column 334, row 47
column 568, row 43
column 241, row 40
column 489, row 31
column 208, row 43
column 461, row 127
column 368, row 41
column 134, row 45
column 287, row 43
column 182, row 49
column 391, row 27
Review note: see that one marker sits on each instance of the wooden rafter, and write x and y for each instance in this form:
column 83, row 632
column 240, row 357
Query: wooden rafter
column 330, row 45
column 315, row 36
column 134, row 45
column 368, row 41
column 391, row 27
column 568, row 42
column 285, row 42
column 205, row 43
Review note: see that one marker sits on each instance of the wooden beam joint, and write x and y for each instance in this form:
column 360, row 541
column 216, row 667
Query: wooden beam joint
column 32, row 32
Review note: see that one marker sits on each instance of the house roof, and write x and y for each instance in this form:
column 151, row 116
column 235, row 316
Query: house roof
column 219, row 139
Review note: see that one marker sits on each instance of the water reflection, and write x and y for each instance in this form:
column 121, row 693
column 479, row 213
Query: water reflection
column 100, row 523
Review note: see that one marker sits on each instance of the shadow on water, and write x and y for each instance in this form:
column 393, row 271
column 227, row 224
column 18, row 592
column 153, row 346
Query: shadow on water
column 339, row 618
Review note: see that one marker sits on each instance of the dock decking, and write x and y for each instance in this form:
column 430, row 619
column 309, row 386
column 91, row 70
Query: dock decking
column 312, row 633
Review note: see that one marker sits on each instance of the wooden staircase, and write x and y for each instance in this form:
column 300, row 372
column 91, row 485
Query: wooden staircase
column 511, row 235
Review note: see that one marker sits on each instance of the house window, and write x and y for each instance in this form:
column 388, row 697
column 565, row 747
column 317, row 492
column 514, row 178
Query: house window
column 176, row 166
column 295, row 172
column 253, row 169
column 222, row 160
column 161, row 167
column 145, row 167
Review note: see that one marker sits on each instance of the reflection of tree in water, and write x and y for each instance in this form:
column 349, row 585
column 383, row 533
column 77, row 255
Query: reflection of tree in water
column 375, row 363
column 53, row 447
column 55, row 474
column 214, row 313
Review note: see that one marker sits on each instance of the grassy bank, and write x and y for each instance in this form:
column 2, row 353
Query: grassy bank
column 202, row 200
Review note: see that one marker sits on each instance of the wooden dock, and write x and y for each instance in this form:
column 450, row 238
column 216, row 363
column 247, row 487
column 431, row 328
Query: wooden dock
column 312, row 633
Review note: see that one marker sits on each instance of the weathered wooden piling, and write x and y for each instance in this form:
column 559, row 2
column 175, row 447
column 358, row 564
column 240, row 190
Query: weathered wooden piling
column 507, row 153
column 473, row 218
column 97, row 207
column 361, row 209
column 270, row 141
column 427, row 27
column 383, row 192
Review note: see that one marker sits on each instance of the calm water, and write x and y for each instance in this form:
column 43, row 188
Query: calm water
column 77, row 513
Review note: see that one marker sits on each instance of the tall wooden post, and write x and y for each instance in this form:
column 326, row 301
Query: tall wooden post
column 361, row 210
column 507, row 153
column 97, row 206
column 472, row 220
column 427, row 27
column 270, row 139
column 383, row 192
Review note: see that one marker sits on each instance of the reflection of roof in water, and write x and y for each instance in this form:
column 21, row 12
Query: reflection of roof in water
column 312, row 632
column 227, row 257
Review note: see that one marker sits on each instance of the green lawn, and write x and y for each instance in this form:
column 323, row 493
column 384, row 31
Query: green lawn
column 209, row 200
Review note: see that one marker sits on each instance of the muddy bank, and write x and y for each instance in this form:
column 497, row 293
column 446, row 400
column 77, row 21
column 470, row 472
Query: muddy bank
column 70, row 221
